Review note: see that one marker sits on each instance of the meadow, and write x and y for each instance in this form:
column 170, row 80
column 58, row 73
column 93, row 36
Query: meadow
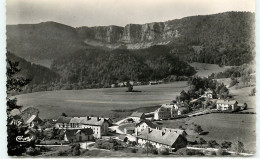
column 223, row 127
column 100, row 102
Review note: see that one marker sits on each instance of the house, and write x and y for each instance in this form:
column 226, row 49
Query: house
column 78, row 135
column 165, row 111
column 129, row 130
column 16, row 120
column 63, row 122
column 97, row 124
column 33, row 121
column 144, row 125
column 227, row 105
column 153, row 82
column 183, row 110
column 208, row 94
column 160, row 138
column 137, row 116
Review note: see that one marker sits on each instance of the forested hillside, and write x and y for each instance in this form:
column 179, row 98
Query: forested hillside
column 42, row 78
column 106, row 67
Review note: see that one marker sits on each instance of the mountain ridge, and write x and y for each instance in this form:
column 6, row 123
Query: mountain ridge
column 217, row 34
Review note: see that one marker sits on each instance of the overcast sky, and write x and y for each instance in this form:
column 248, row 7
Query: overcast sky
column 115, row 12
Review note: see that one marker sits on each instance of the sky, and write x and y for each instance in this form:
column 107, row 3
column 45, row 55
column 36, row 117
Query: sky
column 115, row 12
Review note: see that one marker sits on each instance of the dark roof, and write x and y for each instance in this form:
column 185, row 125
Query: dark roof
column 149, row 123
column 179, row 131
column 72, row 133
column 63, row 119
column 137, row 114
column 155, row 135
column 88, row 120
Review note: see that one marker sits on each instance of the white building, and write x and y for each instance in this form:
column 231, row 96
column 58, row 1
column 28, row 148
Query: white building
column 166, row 111
column 97, row 124
column 160, row 138
column 227, row 105
column 143, row 125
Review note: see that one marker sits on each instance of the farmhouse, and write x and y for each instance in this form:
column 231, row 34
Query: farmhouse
column 78, row 135
column 227, row 105
column 129, row 130
column 165, row 111
column 137, row 116
column 208, row 94
column 153, row 82
column 183, row 110
column 160, row 138
column 143, row 125
column 97, row 124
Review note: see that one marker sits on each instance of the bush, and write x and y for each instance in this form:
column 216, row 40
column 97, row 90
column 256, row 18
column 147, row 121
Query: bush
column 213, row 143
column 164, row 151
column 194, row 152
column 75, row 150
column 212, row 153
column 32, row 151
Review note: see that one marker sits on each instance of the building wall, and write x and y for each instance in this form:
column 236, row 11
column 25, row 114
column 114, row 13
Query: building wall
column 157, row 145
column 96, row 130
column 140, row 128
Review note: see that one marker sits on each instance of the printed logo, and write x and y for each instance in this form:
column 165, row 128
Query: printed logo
column 23, row 139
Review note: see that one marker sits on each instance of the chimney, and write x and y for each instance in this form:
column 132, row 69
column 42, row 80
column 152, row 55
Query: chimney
column 163, row 133
column 88, row 118
column 149, row 130
column 98, row 118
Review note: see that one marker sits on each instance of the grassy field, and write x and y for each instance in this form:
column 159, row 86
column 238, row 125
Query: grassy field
column 242, row 96
column 204, row 70
column 223, row 127
column 99, row 101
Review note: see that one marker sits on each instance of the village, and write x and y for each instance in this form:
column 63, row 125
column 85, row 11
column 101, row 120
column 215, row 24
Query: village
column 143, row 133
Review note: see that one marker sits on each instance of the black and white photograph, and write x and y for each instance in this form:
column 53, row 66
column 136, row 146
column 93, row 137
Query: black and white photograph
column 130, row 78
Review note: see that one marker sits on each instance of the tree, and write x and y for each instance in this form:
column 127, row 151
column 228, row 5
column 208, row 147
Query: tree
column 245, row 106
column 129, row 87
column 202, row 141
column 75, row 150
column 14, row 83
column 212, row 143
column 226, row 145
column 238, row 146
column 63, row 114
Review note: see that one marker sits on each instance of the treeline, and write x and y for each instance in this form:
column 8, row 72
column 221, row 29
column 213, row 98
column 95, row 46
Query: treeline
column 234, row 72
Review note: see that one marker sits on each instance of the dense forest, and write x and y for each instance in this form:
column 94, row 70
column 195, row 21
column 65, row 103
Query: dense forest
column 107, row 67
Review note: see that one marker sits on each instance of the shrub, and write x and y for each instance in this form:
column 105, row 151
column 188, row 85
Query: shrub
column 32, row 151
column 212, row 143
column 75, row 150
column 164, row 151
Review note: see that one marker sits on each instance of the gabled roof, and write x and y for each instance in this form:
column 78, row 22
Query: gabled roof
column 221, row 101
column 149, row 123
column 155, row 135
column 71, row 134
column 179, row 131
column 137, row 114
column 88, row 120
column 63, row 119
